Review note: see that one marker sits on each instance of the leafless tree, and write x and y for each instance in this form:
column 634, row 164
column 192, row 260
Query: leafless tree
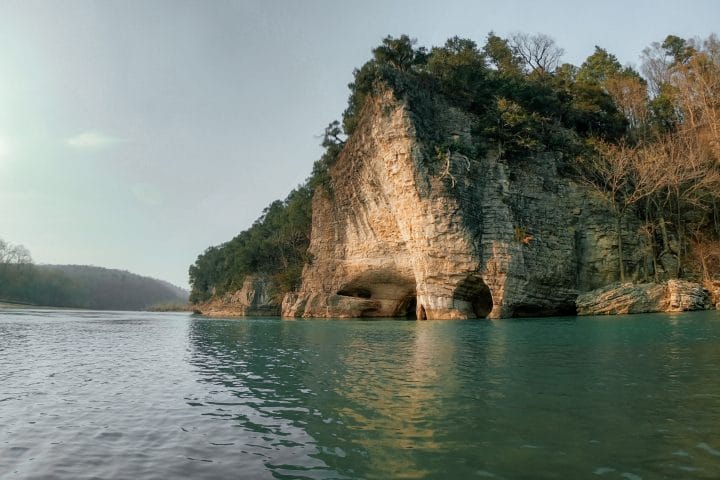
column 630, row 95
column 13, row 254
column 538, row 52
column 618, row 174
column 655, row 66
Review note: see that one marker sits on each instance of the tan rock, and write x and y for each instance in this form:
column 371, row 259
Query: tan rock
column 618, row 299
column 407, row 229
column 255, row 298
column 685, row 296
column 672, row 296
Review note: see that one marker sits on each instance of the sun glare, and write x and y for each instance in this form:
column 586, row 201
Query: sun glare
column 4, row 148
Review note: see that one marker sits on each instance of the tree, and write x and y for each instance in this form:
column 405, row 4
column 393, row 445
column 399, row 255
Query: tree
column 619, row 173
column 629, row 92
column 399, row 53
column 655, row 65
column 706, row 253
column 501, row 55
column 462, row 72
column 392, row 55
column 538, row 53
column 14, row 254
column 599, row 67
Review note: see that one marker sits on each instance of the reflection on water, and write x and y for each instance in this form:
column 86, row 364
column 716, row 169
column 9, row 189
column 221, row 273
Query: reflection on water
column 577, row 396
column 122, row 395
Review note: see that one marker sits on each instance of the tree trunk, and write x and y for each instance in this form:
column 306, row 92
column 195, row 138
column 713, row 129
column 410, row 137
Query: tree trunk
column 680, row 257
column 663, row 231
column 621, row 262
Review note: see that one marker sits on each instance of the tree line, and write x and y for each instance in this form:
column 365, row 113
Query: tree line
column 78, row 286
column 646, row 140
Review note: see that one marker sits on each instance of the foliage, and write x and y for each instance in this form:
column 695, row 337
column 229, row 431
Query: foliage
column 276, row 245
column 78, row 286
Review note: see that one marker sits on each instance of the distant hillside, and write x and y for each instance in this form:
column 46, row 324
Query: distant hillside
column 82, row 286
column 109, row 289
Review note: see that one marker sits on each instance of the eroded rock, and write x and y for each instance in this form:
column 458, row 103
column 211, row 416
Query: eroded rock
column 672, row 296
column 255, row 298
column 617, row 299
column 407, row 228
column 685, row 296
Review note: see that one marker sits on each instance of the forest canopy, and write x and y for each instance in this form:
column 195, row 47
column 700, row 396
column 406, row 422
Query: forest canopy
column 648, row 140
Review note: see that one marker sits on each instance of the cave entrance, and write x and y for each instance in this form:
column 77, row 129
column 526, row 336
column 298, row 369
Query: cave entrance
column 407, row 307
column 390, row 294
column 474, row 291
column 411, row 309
column 421, row 313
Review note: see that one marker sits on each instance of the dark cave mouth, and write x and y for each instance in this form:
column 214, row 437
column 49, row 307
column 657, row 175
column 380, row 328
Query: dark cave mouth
column 474, row 291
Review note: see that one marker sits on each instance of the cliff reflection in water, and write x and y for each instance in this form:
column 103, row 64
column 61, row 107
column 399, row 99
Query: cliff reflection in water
column 383, row 399
column 360, row 398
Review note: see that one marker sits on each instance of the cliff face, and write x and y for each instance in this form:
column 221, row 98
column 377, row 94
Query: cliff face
column 409, row 230
column 254, row 298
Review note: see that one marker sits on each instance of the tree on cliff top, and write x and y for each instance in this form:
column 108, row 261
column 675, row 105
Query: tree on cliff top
column 393, row 54
column 538, row 53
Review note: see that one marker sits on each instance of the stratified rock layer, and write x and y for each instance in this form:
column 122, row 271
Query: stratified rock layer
column 673, row 296
column 408, row 229
column 255, row 298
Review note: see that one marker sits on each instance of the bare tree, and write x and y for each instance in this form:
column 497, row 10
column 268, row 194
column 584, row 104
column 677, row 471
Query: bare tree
column 686, row 185
column 618, row 173
column 630, row 95
column 14, row 254
column 706, row 253
column 697, row 87
column 538, row 52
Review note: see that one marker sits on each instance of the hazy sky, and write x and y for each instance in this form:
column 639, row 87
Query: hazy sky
column 134, row 134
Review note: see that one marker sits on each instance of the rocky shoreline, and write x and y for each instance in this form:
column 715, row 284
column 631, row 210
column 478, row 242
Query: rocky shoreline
column 256, row 298
column 670, row 296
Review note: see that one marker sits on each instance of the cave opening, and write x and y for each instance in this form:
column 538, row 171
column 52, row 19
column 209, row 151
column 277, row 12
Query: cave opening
column 411, row 309
column 407, row 307
column 421, row 313
column 380, row 293
column 474, row 291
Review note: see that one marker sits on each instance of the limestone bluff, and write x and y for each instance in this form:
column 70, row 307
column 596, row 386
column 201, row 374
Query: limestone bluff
column 467, row 182
column 405, row 230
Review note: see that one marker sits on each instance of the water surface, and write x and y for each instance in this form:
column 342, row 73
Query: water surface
column 156, row 395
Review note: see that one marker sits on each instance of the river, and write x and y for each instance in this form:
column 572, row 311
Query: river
column 126, row 395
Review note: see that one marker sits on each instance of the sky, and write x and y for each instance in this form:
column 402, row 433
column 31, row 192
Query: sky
column 135, row 134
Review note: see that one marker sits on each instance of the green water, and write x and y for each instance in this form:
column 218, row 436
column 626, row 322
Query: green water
column 123, row 395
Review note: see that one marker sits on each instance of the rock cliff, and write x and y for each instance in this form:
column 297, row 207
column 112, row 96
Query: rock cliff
column 410, row 226
column 256, row 298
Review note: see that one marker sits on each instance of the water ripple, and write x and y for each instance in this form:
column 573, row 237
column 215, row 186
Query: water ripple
column 144, row 396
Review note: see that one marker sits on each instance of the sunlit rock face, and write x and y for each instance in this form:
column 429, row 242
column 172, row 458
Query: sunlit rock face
column 671, row 296
column 406, row 229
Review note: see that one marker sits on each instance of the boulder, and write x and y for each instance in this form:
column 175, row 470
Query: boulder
column 616, row 299
column 672, row 296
